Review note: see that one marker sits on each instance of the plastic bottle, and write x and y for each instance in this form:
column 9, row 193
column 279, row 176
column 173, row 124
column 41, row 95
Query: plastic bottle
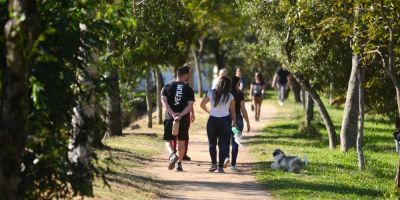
column 237, row 134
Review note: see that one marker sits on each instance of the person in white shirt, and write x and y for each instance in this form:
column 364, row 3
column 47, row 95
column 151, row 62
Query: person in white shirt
column 222, row 113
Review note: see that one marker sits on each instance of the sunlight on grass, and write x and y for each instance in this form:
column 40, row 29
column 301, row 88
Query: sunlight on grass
column 124, row 157
column 331, row 174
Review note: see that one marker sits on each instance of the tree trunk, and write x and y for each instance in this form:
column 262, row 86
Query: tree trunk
column 348, row 135
column 360, row 135
column 323, row 112
column 84, row 127
column 159, row 87
column 148, row 98
column 20, row 35
column 114, row 114
column 199, row 79
column 296, row 88
column 309, row 110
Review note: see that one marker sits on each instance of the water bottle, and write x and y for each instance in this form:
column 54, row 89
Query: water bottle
column 237, row 134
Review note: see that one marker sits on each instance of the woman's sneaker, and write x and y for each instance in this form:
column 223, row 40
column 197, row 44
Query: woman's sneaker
column 172, row 160
column 213, row 168
column 179, row 167
column 226, row 162
column 221, row 170
column 233, row 168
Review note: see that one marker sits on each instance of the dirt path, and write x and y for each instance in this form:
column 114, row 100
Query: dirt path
column 196, row 182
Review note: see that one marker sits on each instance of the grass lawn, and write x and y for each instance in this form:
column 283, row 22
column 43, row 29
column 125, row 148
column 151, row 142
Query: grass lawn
column 331, row 174
column 125, row 157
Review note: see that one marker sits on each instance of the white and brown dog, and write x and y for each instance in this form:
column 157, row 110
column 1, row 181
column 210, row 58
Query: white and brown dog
column 288, row 163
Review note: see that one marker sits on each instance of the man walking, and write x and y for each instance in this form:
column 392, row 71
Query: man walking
column 281, row 78
column 177, row 98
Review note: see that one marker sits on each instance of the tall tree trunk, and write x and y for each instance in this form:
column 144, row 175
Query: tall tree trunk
column 84, row 127
column 296, row 88
column 360, row 135
column 219, row 56
column 309, row 110
column 148, row 98
column 323, row 112
column 20, row 35
column 114, row 113
column 348, row 133
column 199, row 79
column 159, row 87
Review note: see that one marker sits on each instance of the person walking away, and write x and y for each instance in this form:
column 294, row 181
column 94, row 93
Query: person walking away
column 222, row 113
column 222, row 72
column 177, row 98
column 241, row 113
column 257, row 89
column 192, row 119
column 281, row 79
column 242, row 81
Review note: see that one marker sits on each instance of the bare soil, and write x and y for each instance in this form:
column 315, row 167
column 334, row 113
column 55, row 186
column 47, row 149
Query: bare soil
column 196, row 182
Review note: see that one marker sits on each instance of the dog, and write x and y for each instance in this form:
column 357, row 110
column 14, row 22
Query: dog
column 288, row 163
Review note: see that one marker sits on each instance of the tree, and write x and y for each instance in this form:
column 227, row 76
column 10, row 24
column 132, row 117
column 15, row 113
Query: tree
column 163, row 36
column 21, row 32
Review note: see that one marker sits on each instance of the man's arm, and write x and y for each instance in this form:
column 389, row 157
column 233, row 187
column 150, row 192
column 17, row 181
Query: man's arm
column 186, row 110
column 165, row 104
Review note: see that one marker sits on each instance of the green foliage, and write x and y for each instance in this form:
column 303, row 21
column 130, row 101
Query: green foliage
column 163, row 34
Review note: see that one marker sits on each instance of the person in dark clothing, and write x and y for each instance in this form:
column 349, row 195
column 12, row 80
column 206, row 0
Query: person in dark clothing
column 241, row 113
column 222, row 113
column 177, row 98
column 281, row 80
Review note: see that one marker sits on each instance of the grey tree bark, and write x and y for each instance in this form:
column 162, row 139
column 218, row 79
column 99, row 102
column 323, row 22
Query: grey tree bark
column 159, row 87
column 114, row 113
column 322, row 109
column 84, row 128
column 309, row 110
column 348, row 133
column 196, row 57
column 360, row 135
column 148, row 98
column 296, row 88
column 20, row 35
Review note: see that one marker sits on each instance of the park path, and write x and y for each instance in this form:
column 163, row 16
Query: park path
column 196, row 182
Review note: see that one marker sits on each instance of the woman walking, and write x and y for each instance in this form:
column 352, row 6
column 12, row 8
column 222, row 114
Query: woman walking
column 241, row 113
column 257, row 92
column 222, row 113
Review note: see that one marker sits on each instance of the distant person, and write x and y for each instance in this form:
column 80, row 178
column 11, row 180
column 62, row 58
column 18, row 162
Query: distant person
column 257, row 89
column 221, row 73
column 242, row 82
column 281, row 79
column 177, row 98
column 222, row 113
column 241, row 113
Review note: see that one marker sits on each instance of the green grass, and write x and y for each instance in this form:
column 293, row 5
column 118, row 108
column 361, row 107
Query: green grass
column 124, row 157
column 331, row 174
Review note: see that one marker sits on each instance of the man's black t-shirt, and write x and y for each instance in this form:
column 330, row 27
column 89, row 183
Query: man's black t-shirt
column 282, row 76
column 239, row 96
column 178, row 94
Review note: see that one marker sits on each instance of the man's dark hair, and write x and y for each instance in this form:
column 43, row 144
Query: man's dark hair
column 182, row 70
column 398, row 122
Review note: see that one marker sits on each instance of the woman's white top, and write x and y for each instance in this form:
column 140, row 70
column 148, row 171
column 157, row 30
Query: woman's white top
column 222, row 109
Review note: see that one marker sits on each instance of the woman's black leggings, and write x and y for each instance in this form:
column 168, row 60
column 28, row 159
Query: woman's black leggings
column 219, row 132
